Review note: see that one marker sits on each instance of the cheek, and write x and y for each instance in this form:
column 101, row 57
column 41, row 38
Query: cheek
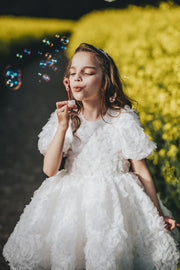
column 97, row 82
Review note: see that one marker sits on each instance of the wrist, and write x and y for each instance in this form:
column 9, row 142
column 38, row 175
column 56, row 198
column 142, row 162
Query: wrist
column 62, row 128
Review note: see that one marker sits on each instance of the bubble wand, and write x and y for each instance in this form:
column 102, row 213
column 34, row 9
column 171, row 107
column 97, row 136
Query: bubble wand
column 66, row 83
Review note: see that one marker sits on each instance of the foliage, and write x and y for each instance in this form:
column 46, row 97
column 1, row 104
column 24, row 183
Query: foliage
column 144, row 42
column 22, row 30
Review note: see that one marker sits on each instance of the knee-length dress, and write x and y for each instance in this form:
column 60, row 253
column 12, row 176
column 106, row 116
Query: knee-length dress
column 94, row 214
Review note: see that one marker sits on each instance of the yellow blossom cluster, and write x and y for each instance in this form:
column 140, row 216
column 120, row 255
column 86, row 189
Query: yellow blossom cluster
column 144, row 42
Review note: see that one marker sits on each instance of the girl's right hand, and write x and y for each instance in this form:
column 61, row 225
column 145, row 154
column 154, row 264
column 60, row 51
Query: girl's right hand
column 63, row 113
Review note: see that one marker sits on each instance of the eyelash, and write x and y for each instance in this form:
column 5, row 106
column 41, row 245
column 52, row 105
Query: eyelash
column 84, row 73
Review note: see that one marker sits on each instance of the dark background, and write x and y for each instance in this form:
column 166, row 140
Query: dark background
column 66, row 9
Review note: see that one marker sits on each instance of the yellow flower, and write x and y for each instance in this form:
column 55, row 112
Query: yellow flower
column 172, row 151
column 162, row 152
column 157, row 124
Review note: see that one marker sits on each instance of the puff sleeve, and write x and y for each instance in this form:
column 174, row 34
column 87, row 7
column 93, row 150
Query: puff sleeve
column 47, row 133
column 135, row 143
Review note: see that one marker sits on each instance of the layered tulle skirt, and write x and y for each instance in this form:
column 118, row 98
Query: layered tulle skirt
column 91, row 222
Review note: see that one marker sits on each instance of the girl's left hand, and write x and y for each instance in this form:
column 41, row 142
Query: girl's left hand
column 170, row 223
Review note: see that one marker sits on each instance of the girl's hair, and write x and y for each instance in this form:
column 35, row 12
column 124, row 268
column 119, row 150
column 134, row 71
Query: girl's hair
column 111, row 85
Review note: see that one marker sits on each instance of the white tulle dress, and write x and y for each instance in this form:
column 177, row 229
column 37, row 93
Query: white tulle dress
column 94, row 214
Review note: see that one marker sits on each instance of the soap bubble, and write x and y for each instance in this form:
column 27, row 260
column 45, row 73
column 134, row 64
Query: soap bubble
column 28, row 52
column 46, row 41
column 48, row 55
column 43, row 64
column 12, row 77
column 19, row 55
column 54, row 68
column 63, row 47
column 126, row 77
column 64, row 40
column 46, row 77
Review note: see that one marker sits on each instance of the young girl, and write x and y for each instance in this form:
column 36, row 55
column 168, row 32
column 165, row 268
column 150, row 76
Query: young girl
column 96, row 213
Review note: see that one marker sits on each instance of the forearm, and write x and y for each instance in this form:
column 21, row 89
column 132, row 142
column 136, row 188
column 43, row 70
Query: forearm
column 53, row 156
column 144, row 175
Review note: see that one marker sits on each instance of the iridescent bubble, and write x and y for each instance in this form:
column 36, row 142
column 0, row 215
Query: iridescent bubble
column 12, row 78
column 43, row 64
column 49, row 63
column 64, row 40
column 48, row 55
column 46, row 41
column 9, row 73
column 54, row 60
column 28, row 52
column 46, row 77
column 63, row 47
column 54, row 68
column 40, row 77
column 126, row 77
column 9, row 83
column 18, row 55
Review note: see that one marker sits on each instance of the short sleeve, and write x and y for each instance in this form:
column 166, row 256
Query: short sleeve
column 135, row 143
column 47, row 133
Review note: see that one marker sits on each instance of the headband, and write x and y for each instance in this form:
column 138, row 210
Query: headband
column 104, row 52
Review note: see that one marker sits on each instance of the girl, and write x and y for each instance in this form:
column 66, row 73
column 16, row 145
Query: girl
column 96, row 213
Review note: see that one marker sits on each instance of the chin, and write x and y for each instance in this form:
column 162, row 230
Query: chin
column 78, row 97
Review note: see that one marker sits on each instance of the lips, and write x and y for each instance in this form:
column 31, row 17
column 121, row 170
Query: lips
column 77, row 88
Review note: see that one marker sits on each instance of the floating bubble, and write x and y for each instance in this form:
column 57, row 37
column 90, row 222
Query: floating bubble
column 49, row 63
column 39, row 52
column 43, row 64
column 54, row 68
column 64, row 40
column 48, row 55
column 27, row 51
column 63, row 47
column 126, row 77
column 9, row 83
column 46, row 77
column 40, row 77
column 12, row 78
column 46, row 41
column 18, row 55
column 54, row 60
column 56, row 50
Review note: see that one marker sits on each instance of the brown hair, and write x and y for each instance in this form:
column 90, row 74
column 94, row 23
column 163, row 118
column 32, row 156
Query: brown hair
column 112, row 85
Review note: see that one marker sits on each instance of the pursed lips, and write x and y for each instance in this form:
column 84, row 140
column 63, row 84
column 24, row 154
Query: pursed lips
column 77, row 88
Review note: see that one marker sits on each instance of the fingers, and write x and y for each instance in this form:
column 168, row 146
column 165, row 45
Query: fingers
column 59, row 104
column 170, row 223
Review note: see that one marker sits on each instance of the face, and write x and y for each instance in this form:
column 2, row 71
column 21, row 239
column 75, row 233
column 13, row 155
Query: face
column 85, row 77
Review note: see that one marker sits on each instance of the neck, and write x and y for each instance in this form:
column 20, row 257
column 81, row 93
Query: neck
column 91, row 110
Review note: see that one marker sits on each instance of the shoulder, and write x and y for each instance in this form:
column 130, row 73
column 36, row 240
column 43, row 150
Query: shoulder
column 123, row 116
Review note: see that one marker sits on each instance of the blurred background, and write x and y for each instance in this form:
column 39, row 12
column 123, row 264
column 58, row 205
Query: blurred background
column 36, row 41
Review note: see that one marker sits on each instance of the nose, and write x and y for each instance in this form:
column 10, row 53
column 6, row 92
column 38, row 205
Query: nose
column 77, row 77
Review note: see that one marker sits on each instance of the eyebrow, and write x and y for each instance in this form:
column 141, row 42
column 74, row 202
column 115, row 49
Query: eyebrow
column 85, row 67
